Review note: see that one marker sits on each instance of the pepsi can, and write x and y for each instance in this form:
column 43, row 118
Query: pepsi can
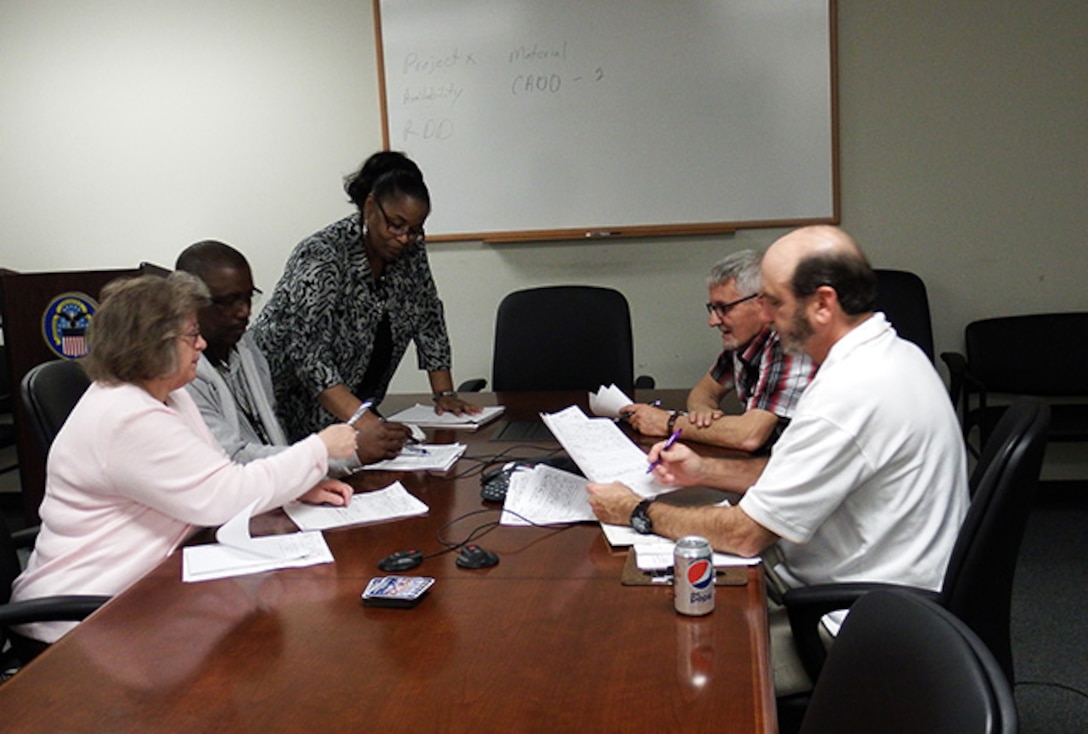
column 693, row 576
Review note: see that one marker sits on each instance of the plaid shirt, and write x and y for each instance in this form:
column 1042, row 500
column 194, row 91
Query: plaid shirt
column 764, row 375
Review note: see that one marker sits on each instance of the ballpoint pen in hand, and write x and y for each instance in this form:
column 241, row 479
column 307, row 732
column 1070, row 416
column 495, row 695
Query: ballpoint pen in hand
column 359, row 412
column 624, row 417
column 668, row 445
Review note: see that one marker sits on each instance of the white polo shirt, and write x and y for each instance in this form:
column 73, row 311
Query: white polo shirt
column 869, row 481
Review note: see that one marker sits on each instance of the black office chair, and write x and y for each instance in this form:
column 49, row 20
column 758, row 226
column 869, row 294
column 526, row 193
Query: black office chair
column 7, row 407
column 988, row 372
column 902, row 664
column 977, row 585
column 901, row 295
column 49, row 391
column 564, row 337
column 46, row 609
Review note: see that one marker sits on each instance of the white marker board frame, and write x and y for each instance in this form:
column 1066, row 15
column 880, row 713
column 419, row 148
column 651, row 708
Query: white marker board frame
column 562, row 119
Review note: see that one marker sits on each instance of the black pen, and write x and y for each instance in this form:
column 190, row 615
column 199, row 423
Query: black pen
column 624, row 417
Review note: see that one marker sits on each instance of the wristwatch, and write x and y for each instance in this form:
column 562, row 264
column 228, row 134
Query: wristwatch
column 640, row 518
column 444, row 394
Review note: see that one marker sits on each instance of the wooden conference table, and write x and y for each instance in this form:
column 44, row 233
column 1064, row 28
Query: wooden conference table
column 547, row 641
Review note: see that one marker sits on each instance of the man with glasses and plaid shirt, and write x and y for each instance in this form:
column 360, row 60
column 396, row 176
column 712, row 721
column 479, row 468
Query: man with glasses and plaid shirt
column 768, row 381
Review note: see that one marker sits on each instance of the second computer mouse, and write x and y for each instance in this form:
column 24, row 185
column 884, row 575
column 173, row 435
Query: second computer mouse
column 403, row 560
column 473, row 556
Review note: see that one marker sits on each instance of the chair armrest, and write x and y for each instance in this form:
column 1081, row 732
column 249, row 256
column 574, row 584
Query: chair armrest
column 807, row 605
column 474, row 385
column 957, row 368
column 645, row 382
column 962, row 382
column 50, row 609
column 956, row 362
column 25, row 538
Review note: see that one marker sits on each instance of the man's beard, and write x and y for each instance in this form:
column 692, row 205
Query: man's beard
column 800, row 332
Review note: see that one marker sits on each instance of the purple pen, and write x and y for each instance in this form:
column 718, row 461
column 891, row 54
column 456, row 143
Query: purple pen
column 668, row 445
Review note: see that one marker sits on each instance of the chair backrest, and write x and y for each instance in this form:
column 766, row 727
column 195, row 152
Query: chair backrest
column 903, row 665
column 978, row 582
column 901, row 295
column 49, row 391
column 1064, row 370
column 7, row 429
column 563, row 338
column 7, row 389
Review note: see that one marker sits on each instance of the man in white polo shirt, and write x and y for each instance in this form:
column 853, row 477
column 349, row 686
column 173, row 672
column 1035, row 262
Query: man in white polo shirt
column 869, row 481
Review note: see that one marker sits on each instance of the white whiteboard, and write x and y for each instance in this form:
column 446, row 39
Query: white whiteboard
column 535, row 119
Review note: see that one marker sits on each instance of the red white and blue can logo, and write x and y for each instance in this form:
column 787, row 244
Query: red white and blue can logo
column 693, row 576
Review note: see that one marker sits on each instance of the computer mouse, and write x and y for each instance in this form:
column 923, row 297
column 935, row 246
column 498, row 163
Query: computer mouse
column 473, row 556
column 402, row 560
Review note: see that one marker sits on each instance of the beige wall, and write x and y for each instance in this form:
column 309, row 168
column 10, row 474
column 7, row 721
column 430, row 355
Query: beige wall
column 133, row 128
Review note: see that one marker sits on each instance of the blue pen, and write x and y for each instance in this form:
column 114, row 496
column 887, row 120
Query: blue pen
column 414, row 450
column 668, row 445
column 359, row 412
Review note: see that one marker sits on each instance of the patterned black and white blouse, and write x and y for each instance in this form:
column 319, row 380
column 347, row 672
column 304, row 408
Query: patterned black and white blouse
column 320, row 325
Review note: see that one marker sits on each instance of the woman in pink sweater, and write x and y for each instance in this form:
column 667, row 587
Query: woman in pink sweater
column 134, row 470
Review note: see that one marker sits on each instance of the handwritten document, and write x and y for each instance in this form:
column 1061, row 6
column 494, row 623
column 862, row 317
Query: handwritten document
column 545, row 495
column 602, row 451
column 392, row 503
column 237, row 553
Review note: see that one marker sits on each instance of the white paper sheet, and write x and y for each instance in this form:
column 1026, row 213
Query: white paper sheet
column 602, row 451
column 426, row 417
column 237, row 553
column 546, row 495
column 391, row 503
column 607, row 401
column 421, row 457
column 659, row 556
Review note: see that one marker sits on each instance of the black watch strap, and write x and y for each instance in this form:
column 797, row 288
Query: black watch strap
column 640, row 518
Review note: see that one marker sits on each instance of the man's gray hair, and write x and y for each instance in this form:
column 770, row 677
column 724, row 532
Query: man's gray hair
column 741, row 267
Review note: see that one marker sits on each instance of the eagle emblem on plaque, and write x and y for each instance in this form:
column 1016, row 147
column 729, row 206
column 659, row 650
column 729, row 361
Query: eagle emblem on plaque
column 65, row 322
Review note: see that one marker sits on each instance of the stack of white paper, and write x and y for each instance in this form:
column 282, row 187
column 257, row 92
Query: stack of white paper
column 608, row 401
column 238, row 554
column 422, row 457
column 391, row 503
column 659, row 556
column 426, row 417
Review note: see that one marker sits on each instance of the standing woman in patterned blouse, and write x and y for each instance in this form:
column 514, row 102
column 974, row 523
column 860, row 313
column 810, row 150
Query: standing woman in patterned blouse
column 350, row 300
